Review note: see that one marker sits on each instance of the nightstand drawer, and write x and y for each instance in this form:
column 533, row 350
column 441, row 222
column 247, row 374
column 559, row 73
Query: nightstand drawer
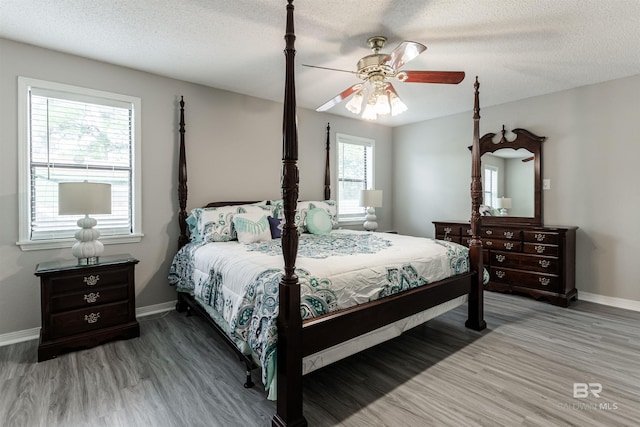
column 89, row 298
column 89, row 319
column 90, row 281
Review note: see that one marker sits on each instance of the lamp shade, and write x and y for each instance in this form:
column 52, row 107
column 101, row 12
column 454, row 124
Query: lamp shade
column 503, row 203
column 371, row 198
column 84, row 198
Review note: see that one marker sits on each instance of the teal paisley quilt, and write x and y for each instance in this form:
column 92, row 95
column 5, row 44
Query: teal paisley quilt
column 238, row 283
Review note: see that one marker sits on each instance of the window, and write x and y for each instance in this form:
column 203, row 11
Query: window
column 355, row 173
column 490, row 185
column 68, row 133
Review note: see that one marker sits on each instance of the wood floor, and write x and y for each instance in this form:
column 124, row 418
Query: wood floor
column 519, row 372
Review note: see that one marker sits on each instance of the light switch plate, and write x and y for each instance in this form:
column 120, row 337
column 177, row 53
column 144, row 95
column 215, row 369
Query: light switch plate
column 546, row 184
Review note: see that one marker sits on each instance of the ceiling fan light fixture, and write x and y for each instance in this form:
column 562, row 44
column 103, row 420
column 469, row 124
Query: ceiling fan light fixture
column 397, row 106
column 355, row 104
column 382, row 104
column 369, row 112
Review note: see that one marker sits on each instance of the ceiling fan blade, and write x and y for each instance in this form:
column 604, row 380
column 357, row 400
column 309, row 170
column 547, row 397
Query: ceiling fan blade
column 330, row 69
column 447, row 77
column 403, row 53
column 338, row 98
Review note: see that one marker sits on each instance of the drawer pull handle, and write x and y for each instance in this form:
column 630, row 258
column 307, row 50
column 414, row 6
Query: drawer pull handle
column 489, row 232
column 447, row 238
column 91, row 298
column 92, row 280
column 508, row 234
column 447, row 230
column 500, row 274
column 488, row 243
column 544, row 263
column 539, row 249
column 544, row 281
column 539, row 237
column 92, row 318
column 469, row 231
column 500, row 258
column 508, row 245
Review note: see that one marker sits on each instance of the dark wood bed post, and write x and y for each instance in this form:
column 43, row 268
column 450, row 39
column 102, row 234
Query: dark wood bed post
column 327, row 167
column 289, row 351
column 182, row 182
column 475, row 318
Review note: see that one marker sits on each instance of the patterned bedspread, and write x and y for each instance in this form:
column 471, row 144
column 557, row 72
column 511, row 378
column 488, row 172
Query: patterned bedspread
column 238, row 284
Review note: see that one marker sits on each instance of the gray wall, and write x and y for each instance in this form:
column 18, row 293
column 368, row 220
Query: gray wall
column 591, row 156
column 233, row 148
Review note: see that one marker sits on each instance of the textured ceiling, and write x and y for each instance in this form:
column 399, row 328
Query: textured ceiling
column 518, row 48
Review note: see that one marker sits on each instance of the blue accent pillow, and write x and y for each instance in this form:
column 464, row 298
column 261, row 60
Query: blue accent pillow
column 276, row 227
column 318, row 221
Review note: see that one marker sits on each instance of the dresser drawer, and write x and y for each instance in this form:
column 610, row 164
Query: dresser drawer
column 498, row 244
column 89, row 298
column 540, row 249
column 89, row 281
column 448, row 238
column 548, row 282
column 524, row 262
column 501, row 233
column 546, row 237
column 88, row 319
column 448, row 230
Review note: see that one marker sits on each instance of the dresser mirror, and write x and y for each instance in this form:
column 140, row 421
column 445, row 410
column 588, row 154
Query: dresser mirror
column 512, row 178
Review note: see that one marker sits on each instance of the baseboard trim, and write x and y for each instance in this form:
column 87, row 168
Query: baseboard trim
column 34, row 334
column 155, row 309
column 626, row 304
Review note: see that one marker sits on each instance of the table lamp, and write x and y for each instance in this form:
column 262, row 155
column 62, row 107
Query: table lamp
column 370, row 199
column 503, row 204
column 85, row 198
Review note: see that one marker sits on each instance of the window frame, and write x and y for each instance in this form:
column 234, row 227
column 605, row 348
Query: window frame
column 24, row 162
column 354, row 140
column 493, row 192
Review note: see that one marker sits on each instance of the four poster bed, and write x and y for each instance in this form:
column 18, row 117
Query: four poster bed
column 328, row 301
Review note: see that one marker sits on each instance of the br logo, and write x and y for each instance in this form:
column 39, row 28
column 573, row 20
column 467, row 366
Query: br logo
column 582, row 390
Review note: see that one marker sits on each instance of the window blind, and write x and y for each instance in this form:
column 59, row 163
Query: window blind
column 355, row 161
column 76, row 138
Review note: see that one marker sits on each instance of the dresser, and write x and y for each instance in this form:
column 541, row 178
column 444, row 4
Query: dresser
column 535, row 260
column 86, row 305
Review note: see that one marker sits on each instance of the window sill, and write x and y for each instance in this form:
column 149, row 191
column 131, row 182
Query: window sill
column 67, row 243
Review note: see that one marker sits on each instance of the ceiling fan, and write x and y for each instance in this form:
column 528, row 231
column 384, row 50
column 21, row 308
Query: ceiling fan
column 376, row 70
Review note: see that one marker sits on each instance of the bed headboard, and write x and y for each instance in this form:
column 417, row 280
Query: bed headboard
column 182, row 180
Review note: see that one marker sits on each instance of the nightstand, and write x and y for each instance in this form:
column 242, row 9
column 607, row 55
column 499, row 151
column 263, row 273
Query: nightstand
column 86, row 305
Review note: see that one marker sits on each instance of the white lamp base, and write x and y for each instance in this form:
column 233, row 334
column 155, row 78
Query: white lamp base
column 370, row 223
column 503, row 212
column 87, row 248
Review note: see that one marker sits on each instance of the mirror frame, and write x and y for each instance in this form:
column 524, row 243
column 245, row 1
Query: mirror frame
column 524, row 140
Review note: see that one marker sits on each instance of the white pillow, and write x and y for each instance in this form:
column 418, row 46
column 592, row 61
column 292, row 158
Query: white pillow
column 251, row 227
